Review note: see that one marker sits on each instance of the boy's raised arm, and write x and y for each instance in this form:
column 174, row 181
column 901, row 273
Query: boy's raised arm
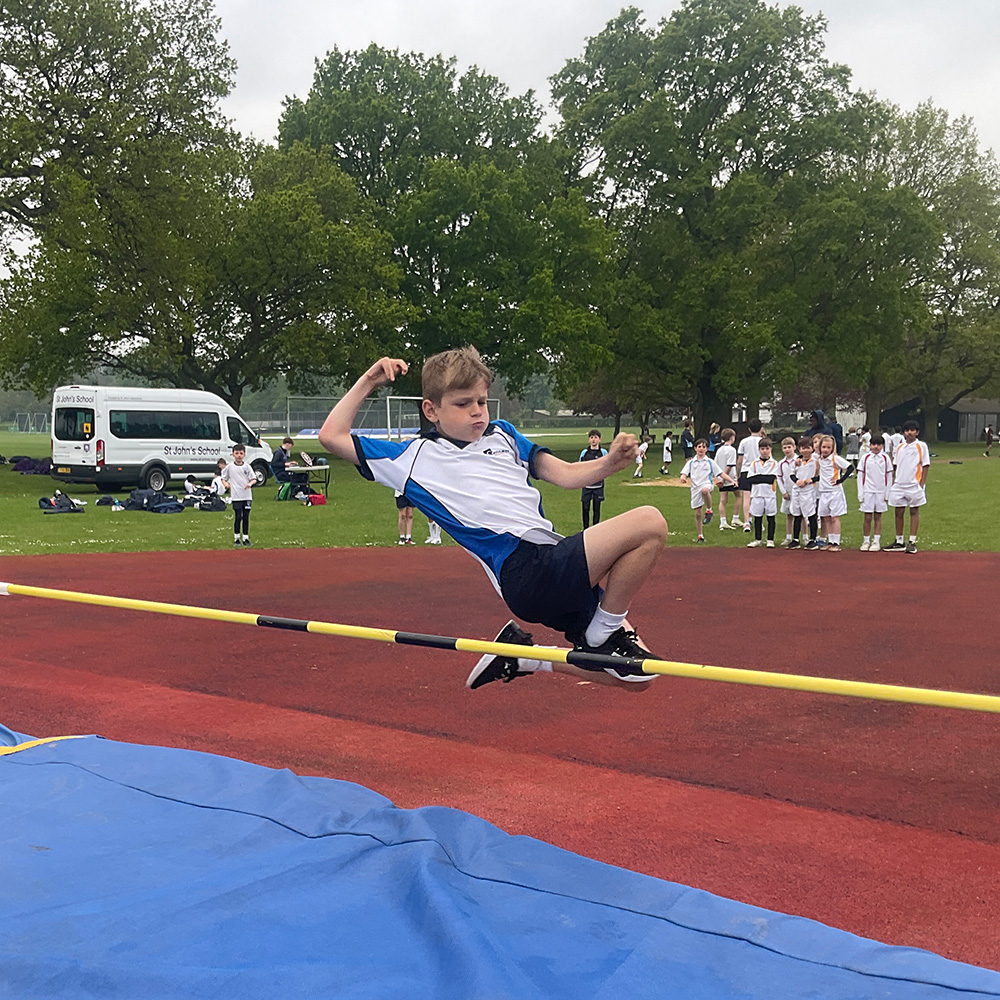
column 576, row 475
column 335, row 434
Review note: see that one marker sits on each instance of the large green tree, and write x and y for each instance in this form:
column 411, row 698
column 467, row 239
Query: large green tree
column 270, row 264
column 494, row 247
column 688, row 135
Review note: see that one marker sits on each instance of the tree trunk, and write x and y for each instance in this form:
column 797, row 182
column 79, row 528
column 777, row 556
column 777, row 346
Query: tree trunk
column 709, row 407
column 618, row 422
column 932, row 413
column 873, row 407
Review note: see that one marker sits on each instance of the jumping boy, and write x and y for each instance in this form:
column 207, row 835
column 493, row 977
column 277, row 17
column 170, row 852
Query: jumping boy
column 703, row 473
column 240, row 479
column 762, row 476
column 913, row 461
column 725, row 458
column 592, row 495
column 472, row 477
column 874, row 482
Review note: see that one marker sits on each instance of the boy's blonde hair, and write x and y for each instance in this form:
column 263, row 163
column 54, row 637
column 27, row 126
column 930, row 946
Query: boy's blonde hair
column 459, row 368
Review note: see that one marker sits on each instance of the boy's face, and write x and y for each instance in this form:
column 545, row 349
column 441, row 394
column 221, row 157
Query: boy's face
column 238, row 454
column 910, row 434
column 462, row 414
column 806, row 451
column 876, row 447
column 788, row 448
column 765, row 452
column 595, row 441
column 701, row 449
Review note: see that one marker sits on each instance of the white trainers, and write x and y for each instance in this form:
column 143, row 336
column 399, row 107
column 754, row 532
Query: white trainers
column 866, row 546
column 770, row 544
column 755, row 544
column 875, row 547
column 786, row 543
column 747, row 528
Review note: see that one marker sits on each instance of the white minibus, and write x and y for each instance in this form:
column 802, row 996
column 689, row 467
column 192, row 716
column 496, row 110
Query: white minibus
column 116, row 436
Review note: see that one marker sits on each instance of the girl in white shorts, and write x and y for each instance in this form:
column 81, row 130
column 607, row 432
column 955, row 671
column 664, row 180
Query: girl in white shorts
column 832, row 504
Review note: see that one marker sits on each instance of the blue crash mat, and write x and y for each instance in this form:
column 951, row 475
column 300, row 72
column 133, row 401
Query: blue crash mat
column 145, row 872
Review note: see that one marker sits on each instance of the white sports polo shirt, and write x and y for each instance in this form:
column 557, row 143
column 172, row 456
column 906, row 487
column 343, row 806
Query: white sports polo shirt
column 480, row 493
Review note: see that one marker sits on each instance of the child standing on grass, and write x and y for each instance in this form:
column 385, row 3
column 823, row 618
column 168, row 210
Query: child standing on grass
column 832, row 504
column 913, row 462
column 874, row 482
column 725, row 458
column 806, row 493
column 218, row 486
column 640, row 457
column 746, row 454
column 240, row 479
column 592, row 495
column 473, row 477
column 668, row 452
column 786, row 484
column 762, row 476
column 404, row 518
column 703, row 473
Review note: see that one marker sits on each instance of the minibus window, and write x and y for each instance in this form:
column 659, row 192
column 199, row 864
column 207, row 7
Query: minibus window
column 73, row 423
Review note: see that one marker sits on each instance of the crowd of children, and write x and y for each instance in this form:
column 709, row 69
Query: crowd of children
column 806, row 485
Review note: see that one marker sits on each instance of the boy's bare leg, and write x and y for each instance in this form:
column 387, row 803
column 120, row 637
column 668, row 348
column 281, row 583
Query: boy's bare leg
column 900, row 511
column 624, row 549
column 914, row 520
column 699, row 517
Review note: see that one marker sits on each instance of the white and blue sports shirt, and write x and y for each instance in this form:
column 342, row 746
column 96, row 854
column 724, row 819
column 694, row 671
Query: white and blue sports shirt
column 480, row 493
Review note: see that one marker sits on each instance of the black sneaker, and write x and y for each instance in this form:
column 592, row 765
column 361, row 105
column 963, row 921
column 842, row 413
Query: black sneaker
column 895, row 547
column 500, row 668
column 911, row 547
column 794, row 544
column 237, row 544
column 247, row 544
column 624, row 643
column 813, row 543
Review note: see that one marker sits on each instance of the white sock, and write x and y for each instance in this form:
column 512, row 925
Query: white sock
column 602, row 625
column 534, row 666
column 877, row 540
column 834, row 539
column 868, row 539
column 913, row 538
column 899, row 539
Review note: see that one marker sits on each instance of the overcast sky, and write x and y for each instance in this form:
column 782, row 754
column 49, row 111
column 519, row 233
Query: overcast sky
column 906, row 50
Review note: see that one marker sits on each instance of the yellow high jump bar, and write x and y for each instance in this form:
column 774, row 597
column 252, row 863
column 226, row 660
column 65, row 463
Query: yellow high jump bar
column 593, row 661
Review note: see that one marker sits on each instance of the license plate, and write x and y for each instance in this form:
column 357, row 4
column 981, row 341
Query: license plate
column 63, row 468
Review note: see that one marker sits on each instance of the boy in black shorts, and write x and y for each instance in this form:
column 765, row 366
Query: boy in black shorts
column 473, row 477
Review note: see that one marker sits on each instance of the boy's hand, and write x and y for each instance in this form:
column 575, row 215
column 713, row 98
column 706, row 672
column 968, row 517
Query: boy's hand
column 623, row 450
column 385, row 371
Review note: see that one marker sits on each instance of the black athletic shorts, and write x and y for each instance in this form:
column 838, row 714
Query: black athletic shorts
column 744, row 482
column 592, row 493
column 402, row 502
column 550, row 584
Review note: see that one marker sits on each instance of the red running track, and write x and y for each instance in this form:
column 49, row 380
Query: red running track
column 877, row 818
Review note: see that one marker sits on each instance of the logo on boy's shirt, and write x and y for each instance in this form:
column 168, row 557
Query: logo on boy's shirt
column 498, row 451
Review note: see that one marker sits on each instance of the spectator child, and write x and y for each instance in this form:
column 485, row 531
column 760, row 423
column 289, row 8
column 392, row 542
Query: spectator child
column 762, row 476
column 865, row 441
column 990, row 436
column 240, row 479
column 746, row 454
column 191, row 485
column 593, row 494
column 687, row 440
column 404, row 518
column 668, row 450
column 433, row 533
column 473, row 476
column 852, row 450
column 874, row 483
column 714, row 440
column 832, row 503
column 640, row 457
column 913, row 462
column 786, row 484
column 725, row 458
column 703, row 473
column 218, row 486
column 806, row 493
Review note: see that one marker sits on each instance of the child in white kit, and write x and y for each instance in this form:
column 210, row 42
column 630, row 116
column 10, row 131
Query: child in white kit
column 832, row 503
column 668, row 448
column 874, row 482
column 725, row 458
column 786, row 485
column 912, row 460
column 762, row 476
column 703, row 473
column 805, row 494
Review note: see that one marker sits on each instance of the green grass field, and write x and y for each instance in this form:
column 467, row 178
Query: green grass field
column 360, row 513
